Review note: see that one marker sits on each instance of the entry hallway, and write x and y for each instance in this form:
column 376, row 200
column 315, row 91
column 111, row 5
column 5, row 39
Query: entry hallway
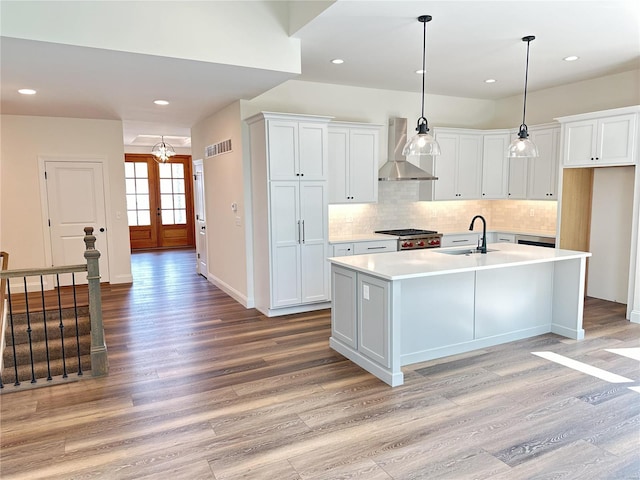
column 201, row 388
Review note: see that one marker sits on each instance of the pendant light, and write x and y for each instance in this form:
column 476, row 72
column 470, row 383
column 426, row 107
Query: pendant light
column 423, row 143
column 162, row 151
column 523, row 147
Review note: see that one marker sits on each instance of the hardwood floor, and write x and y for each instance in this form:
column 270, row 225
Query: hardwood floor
column 201, row 388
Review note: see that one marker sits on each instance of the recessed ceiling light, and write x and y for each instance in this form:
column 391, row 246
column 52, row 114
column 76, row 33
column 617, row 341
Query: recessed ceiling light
column 337, row 61
column 161, row 102
column 571, row 58
column 27, row 91
column 490, row 80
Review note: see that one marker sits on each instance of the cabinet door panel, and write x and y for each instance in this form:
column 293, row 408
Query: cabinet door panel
column 579, row 142
column 495, row 166
column 542, row 170
column 312, row 151
column 518, row 178
column 338, row 166
column 283, row 150
column 445, row 168
column 363, row 170
column 314, row 266
column 285, row 247
column 616, row 139
column 469, row 174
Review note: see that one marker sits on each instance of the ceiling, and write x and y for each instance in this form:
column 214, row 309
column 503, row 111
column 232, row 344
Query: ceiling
column 380, row 42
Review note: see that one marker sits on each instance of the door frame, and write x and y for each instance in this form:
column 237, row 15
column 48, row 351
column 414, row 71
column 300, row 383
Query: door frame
column 48, row 280
column 189, row 197
column 194, row 163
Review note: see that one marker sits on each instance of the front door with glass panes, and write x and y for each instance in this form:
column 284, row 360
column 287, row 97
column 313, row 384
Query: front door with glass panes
column 159, row 201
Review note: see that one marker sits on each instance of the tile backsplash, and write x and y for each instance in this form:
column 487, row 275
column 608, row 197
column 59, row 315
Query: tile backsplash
column 397, row 208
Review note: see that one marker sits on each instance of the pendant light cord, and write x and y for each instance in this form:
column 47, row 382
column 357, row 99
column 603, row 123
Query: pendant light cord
column 526, row 79
column 424, row 55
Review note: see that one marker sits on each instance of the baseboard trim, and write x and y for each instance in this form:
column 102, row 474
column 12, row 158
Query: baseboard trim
column 635, row 316
column 229, row 290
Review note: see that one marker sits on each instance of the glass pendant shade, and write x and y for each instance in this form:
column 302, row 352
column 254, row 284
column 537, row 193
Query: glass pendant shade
column 522, row 147
column 422, row 143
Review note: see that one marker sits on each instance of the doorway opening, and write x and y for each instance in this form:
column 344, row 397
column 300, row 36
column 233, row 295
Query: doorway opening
column 159, row 202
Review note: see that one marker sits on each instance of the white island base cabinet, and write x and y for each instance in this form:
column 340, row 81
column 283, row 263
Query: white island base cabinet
column 383, row 324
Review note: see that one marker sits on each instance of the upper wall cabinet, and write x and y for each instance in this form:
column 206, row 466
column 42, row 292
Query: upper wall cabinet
column 495, row 166
column 297, row 149
column 601, row 138
column 353, row 162
column 543, row 170
column 458, row 167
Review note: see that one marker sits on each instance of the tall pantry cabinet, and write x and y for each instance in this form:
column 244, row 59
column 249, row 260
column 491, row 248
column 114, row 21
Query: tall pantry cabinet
column 289, row 171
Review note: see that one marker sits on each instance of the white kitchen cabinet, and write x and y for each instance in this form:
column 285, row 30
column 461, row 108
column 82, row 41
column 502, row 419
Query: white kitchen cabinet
column 297, row 149
column 458, row 167
column 379, row 246
column 290, row 212
column 517, row 178
column 495, row 166
column 342, row 249
column 543, row 170
column 353, row 162
column 600, row 139
column 361, row 248
column 501, row 237
column 461, row 239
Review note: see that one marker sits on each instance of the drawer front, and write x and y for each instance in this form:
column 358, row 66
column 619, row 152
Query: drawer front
column 460, row 240
column 505, row 238
column 375, row 247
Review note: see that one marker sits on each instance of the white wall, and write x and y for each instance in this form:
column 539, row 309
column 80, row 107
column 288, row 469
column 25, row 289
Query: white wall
column 612, row 91
column 24, row 139
column 224, row 185
column 610, row 238
column 250, row 34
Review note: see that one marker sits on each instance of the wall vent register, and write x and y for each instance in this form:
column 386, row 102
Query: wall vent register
column 217, row 148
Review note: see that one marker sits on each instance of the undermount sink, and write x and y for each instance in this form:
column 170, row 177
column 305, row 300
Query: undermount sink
column 465, row 251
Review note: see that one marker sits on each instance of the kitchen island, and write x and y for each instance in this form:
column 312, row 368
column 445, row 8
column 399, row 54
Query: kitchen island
column 399, row 308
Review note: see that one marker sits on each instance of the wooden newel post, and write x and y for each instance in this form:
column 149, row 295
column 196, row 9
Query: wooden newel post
column 99, row 360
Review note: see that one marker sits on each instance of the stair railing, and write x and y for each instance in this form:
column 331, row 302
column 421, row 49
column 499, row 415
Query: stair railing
column 98, row 351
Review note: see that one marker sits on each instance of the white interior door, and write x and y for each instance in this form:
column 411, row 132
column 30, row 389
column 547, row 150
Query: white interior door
column 201, row 223
column 75, row 199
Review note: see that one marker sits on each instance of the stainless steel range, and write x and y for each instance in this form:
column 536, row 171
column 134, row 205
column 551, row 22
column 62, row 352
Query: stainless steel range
column 413, row 238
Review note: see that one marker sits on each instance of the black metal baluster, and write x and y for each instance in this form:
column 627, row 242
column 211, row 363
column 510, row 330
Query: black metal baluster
column 26, row 303
column 46, row 335
column 64, row 359
column 75, row 310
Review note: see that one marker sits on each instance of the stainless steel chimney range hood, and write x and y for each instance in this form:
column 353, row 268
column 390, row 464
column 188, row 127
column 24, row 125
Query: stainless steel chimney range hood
column 397, row 167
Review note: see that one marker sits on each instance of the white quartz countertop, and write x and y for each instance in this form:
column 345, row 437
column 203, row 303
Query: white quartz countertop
column 428, row 262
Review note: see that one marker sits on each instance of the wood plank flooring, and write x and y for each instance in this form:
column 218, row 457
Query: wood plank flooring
column 201, row 388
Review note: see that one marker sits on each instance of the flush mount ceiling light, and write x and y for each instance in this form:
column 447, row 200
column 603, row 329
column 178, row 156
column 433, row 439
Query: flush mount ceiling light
column 27, row 91
column 522, row 146
column 162, row 151
column 423, row 142
column 337, row 61
column 490, row 80
column 571, row 58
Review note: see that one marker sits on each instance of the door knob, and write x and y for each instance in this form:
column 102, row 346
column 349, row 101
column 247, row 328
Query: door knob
column 102, row 229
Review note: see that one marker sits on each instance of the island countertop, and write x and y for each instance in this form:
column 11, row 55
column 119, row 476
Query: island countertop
column 428, row 262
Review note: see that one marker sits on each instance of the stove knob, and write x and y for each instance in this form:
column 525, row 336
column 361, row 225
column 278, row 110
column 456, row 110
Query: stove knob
column 421, row 243
column 405, row 244
column 410, row 244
